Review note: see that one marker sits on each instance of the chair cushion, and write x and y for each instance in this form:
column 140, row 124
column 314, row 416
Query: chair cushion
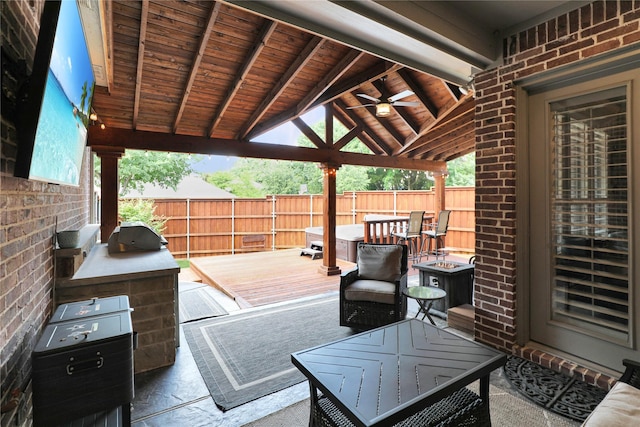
column 620, row 407
column 380, row 262
column 371, row 290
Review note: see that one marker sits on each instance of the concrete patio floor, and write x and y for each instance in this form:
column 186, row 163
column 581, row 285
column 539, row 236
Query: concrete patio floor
column 178, row 396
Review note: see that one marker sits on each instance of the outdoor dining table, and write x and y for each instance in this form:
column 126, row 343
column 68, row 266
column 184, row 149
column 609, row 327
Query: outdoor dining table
column 406, row 373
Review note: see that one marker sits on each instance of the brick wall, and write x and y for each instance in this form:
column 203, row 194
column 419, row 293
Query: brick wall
column 583, row 33
column 28, row 215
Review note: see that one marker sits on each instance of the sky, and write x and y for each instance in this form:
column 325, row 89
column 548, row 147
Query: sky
column 286, row 134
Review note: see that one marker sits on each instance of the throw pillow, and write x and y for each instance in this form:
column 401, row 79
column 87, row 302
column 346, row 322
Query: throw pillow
column 379, row 262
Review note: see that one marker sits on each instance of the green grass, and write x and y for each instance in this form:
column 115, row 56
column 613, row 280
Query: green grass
column 184, row 263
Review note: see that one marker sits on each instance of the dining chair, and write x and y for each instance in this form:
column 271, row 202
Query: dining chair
column 412, row 233
column 437, row 232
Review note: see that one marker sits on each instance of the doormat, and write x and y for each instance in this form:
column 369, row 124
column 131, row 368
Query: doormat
column 197, row 304
column 552, row 390
column 245, row 356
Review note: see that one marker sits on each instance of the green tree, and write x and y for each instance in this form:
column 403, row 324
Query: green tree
column 130, row 210
column 462, row 171
column 137, row 168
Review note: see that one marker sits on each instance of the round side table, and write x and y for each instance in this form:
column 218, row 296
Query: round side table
column 425, row 296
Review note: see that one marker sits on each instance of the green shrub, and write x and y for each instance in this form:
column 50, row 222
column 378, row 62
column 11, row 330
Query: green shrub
column 141, row 210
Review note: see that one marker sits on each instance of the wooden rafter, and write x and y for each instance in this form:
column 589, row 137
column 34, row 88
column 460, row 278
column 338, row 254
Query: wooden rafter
column 301, row 107
column 413, row 143
column 309, row 133
column 372, row 74
column 442, row 134
column 294, row 69
column 267, row 29
column 196, row 62
column 142, row 37
column 405, row 75
column 408, row 121
column 380, row 146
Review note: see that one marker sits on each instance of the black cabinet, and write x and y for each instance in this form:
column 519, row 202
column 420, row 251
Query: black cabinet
column 84, row 366
column 455, row 278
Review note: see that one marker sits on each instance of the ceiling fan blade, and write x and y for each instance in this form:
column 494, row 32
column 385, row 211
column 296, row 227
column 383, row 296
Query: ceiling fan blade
column 360, row 106
column 400, row 95
column 405, row 104
column 370, row 98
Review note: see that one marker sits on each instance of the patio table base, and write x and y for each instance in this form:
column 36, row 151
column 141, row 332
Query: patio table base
column 463, row 408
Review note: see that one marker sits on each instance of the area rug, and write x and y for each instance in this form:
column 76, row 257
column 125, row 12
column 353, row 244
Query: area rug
column 197, row 304
column 554, row 391
column 245, row 356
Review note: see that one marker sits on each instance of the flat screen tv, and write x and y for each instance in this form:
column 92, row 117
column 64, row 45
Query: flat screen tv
column 55, row 113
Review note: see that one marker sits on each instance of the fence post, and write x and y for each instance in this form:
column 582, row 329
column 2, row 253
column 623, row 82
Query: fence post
column 273, row 222
column 188, row 229
column 233, row 226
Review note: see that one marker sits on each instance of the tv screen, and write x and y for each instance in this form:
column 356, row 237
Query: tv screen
column 54, row 136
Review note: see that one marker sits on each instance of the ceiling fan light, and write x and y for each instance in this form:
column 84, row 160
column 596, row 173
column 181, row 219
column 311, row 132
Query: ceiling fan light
column 383, row 109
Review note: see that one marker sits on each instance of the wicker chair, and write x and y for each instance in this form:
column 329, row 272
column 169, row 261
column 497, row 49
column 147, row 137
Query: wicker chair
column 620, row 405
column 372, row 294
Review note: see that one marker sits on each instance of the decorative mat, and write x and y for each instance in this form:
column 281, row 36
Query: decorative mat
column 245, row 356
column 554, row 391
column 197, row 304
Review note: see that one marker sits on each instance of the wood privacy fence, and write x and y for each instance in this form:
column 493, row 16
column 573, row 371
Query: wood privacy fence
column 205, row 227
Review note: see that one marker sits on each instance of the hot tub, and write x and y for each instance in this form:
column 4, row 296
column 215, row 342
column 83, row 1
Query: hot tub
column 347, row 238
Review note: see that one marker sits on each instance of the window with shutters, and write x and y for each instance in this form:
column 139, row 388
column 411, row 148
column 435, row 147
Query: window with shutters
column 590, row 214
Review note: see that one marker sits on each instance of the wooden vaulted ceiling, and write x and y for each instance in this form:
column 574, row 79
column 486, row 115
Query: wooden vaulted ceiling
column 209, row 77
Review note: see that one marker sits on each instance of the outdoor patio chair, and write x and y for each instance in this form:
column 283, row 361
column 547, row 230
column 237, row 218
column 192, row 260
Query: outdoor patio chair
column 438, row 232
column 372, row 294
column 412, row 233
column 621, row 405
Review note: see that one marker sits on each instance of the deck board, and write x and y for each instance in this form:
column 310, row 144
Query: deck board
column 261, row 278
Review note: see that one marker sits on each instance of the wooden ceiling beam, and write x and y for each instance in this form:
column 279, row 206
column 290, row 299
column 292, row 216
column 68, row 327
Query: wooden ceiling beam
column 285, row 80
column 303, row 105
column 156, row 141
column 362, row 136
column 142, row 39
column 464, row 104
column 195, row 68
column 374, row 143
column 265, row 32
column 441, row 136
column 406, row 76
column 396, row 137
column 374, row 73
column 309, row 133
column 348, row 137
column 454, row 90
column 408, row 121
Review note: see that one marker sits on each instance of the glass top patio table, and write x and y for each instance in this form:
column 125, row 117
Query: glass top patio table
column 386, row 375
column 425, row 296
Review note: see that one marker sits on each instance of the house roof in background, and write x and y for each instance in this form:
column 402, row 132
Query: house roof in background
column 191, row 187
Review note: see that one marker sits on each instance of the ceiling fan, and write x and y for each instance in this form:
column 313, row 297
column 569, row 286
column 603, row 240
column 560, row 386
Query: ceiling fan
column 386, row 101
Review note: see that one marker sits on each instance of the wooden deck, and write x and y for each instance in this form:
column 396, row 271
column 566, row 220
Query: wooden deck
column 267, row 277
column 260, row 278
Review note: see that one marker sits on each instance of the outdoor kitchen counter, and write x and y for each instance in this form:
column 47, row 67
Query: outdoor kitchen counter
column 150, row 279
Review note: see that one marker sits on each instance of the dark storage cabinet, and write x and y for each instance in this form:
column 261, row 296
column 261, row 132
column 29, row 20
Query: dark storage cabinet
column 82, row 367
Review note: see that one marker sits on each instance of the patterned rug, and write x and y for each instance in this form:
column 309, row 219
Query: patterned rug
column 247, row 355
column 556, row 392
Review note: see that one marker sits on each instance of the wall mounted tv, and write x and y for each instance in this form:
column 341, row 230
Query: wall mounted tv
column 55, row 112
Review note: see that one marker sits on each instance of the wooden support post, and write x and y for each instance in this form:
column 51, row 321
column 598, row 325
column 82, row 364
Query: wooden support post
column 439, row 179
column 329, row 265
column 109, row 190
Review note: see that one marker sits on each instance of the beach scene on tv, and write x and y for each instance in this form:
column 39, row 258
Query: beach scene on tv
column 61, row 134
